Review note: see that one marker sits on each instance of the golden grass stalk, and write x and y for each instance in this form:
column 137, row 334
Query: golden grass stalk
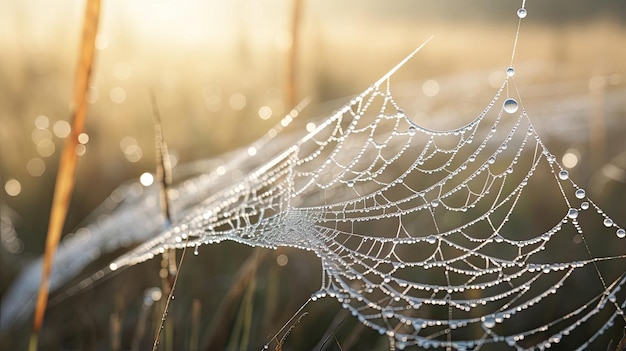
column 169, row 270
column 163, row 163
column 66, row 175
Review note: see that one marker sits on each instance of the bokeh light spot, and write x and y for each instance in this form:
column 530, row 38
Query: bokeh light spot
column 35, row 167
column 213, row 103
column 146, row 179
column 237, row 101
column 45, row 148
column 13, row 187
column 282, row 260
column 570, row 158
column 61, row 129
column 265, row 112
column 80, row 149
column 42, row 122
column 310, row 127
column 118, row 95
column 38, row 135
column 83, row 138
column 430, row 88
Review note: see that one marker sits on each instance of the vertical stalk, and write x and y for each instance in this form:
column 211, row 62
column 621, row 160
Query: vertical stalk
column 66, row 174
column 169, row 272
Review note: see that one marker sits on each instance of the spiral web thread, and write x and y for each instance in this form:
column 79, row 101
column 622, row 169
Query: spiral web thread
column 434, row 238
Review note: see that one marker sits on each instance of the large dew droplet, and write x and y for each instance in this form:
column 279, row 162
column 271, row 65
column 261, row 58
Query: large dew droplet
column 573, row 213
column 608, row 222
column 521, row 13
column 510, row 72
column 580, row 194
column 621, row 233
column 563, row 175
column 510, row 105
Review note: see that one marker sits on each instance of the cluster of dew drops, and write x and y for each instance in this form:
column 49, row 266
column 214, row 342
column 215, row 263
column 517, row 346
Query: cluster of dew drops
column 510, row 105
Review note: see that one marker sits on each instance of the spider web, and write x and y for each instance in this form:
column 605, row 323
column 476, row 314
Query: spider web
column 430, row 236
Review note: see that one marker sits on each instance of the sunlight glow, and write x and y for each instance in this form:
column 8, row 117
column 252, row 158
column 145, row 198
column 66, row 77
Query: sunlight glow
column 146, row 179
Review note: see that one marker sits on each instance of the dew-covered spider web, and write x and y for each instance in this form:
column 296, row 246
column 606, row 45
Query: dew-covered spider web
column 431, row 237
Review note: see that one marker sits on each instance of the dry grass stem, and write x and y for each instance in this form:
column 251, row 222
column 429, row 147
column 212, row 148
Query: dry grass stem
column 65, row 180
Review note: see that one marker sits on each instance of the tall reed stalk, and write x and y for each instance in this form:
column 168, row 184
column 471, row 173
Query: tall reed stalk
column 66, row 174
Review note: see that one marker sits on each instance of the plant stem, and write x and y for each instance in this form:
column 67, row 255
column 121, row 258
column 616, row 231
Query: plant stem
column 66, row 174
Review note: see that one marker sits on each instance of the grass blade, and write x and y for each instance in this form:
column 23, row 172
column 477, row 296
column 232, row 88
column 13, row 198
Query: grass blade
column 65, row 180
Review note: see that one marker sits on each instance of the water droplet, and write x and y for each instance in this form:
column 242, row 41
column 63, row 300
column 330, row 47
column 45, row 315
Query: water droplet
column 521, row 13
column 621, row 233
column 388, row 313
column 563, row 175
column 580, row 193
column 489, row 321
column 608, row 222
column 431, row 239
column 195, row 250
column 435, row 203
column 573, row 213
column 510, row 72
column 584, row 205
column 510, row 105
column 491, row 160
column 350, row 183
column 412, row 130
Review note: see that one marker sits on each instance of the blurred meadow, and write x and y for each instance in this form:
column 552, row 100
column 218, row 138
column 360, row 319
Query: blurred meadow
column 219, row 72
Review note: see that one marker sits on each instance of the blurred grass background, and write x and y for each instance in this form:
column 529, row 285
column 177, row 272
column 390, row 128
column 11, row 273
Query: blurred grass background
column 218, row 69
